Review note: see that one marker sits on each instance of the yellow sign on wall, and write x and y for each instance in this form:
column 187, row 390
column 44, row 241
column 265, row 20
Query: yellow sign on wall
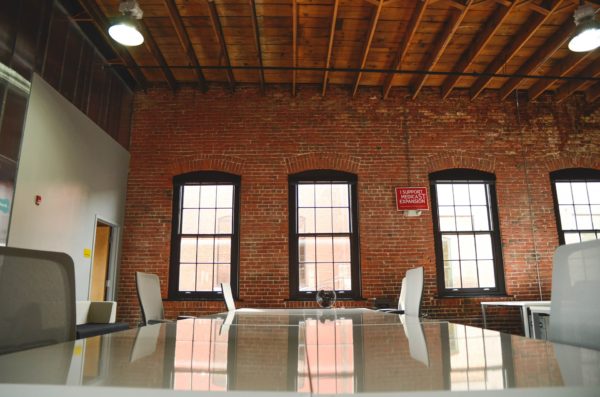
column 87, row 253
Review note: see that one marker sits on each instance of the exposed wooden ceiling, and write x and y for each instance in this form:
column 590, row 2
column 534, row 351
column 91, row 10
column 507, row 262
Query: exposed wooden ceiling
column 470, row 45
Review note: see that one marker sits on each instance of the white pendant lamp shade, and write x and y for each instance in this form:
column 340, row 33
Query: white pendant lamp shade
column 126, row 34
column 587, row 33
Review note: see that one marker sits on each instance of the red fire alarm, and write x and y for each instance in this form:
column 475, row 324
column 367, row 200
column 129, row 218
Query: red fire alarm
column 38, row 199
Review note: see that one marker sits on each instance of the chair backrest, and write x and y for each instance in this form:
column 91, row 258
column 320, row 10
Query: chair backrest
column 402, row 298
column 574, row 311
column 148, row 289
column 37, row 298
column 414, row 291
column 228, row 296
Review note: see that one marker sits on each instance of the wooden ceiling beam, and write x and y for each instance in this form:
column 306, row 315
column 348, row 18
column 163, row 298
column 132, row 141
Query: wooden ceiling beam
column 185, row 41
column 593, row 93
column 218, row 30
column 527, row 30
column 330, row 46
column 101, row 23
column 153, row 48
column 411, row 29
column 482, row 38
column 562, row 68
column 372, row 28
column 540, row 57
column 441, row 43
column 565, row 90
column 294, row 44
column 261, row 72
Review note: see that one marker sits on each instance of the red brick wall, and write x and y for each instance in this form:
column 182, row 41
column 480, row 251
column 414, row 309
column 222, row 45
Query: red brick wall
column 264, row 138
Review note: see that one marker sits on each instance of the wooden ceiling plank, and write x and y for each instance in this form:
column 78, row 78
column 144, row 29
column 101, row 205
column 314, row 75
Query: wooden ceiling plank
column 101, row 23
column 184, row 39
column 261, row 72
column 565, row 90
column 294, row 44
column 411, row 29
column 540, row 57
column 372, row 28
column 537, row 8
column 562, row 68
column 482, row 38
column 218, row 30
column 153, row 48
column 593, row 93
column 441, row 43
column 527, row 30
column 330, row 45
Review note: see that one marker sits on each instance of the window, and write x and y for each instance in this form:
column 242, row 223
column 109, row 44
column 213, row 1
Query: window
column 205, row 237
column 323, row 234
column 467, row 239
column 576, row 194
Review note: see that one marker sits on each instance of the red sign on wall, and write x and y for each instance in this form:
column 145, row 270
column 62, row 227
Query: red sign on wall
column 411, row 198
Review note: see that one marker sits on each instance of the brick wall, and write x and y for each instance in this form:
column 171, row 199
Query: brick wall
column 264, row 138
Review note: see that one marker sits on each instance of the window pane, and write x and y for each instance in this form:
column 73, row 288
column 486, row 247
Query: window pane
column 324, row 249
column 339, row 195
column 584, row 220
column 571, row 238
column 224, row 220
column 207, row 221
column 323, row 220
column 187, row 277
column 223, row 250
column 452, row 274
column 306, row 220
column 208, row 196
column 189, row 221
column 306, row 249
column 341, row 220
column 341, row 249
column 306, row 277
column 342, row 276
column 579, row 193
column 222, row 275
column 323, row 195
column 191, row 196
column 469, row 274
column 594, row 192
column 463, row 218
column 447, row 223
column 563, row 193
column 480, row 218
column 205, row 250
column 444, row 194
column 486, row 274
column 484, row 246
column 461, row 194
column 324, row 276
column 306, row 195
column 204, row 277
column 450, row 247
column 567, row 217
column 187, row 252
column 596, row 216
column 467, row 247
column 225, row 196
column 588, row 236
column 477, row 194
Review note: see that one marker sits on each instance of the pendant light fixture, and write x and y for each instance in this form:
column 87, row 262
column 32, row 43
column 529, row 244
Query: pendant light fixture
column 587, row 32
column 124, row 30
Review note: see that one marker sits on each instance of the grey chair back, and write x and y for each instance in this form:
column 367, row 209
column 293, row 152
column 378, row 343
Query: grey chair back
column 228, row 296
column 574, row 311
column 402, row 298
column 37, row 298
column 414, row 291
column 148, row 289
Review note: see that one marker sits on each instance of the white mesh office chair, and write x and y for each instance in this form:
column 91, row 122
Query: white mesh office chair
column 574, row 311
column 37, row 298
column 228, row 296
column 151, row 306
column 411, row 293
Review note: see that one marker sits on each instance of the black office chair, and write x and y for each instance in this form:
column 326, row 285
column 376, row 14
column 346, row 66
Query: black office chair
column 37, row 298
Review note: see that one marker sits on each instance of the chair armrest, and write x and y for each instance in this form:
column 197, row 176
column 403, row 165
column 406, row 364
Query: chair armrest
column 102, row 312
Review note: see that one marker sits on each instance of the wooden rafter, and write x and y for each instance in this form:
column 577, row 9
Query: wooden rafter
column 330, row 46
column 540, row 56
column 218, row 30
column 592, row 70
column 411, row 29
column 560, row 69
column 482, row 38
column 261, row 72
column 367, row 47
column 593, row 93
column 516, row 43
column 185, row 41
column 294, row 44
column 441, row 42
column 101, row 23
column 153, row 48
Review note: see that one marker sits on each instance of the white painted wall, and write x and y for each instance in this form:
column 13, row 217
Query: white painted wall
column 81, row 174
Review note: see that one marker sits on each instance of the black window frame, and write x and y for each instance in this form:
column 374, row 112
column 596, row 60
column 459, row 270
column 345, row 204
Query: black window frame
column 327, row 177
column 570, row 175
column 458, row 176
column 203, row 178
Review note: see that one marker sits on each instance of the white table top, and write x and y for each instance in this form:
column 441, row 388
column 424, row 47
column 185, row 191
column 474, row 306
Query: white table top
column 516, row 303
column 303, row 351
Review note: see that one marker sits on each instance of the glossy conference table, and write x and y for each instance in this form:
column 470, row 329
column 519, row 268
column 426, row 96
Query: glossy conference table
column 331, row 351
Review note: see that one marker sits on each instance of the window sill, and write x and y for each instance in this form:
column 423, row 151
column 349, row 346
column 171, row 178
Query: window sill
column 470, row 296
column 312, row 299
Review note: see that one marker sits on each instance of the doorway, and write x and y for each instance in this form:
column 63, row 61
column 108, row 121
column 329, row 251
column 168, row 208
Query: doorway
column 101, row 262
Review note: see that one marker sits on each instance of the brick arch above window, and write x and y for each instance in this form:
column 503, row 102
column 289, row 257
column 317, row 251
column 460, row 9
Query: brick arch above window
column 444, row 162
column 569, row 160
column 230, row 164
column 315, row 161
